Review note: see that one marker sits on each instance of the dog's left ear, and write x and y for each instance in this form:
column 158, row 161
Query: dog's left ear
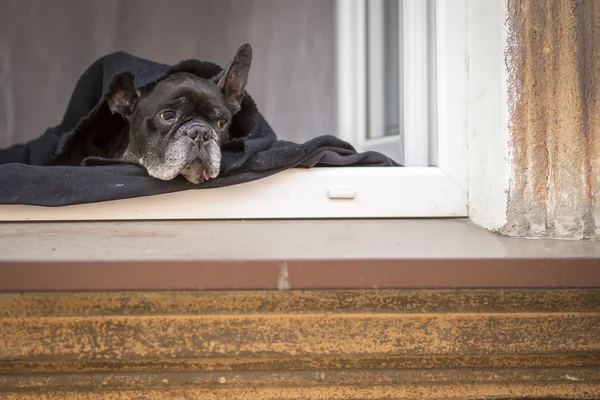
column 233, row 82
column 123, row 97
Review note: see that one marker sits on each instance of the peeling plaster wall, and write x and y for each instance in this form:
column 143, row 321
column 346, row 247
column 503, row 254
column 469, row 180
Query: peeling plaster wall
column 553, row 59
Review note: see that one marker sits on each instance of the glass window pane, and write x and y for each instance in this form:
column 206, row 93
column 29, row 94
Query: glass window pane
column 383, row 51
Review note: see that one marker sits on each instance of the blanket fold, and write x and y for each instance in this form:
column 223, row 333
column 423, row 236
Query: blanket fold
column 68, row 165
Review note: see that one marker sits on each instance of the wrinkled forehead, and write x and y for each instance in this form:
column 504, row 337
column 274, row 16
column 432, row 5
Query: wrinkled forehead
column 184, row 84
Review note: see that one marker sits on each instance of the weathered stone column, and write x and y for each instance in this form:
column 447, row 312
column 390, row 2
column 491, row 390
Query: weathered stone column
column 553, row 60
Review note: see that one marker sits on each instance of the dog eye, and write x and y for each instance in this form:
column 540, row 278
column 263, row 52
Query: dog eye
column 221, row 123
column 167, row 115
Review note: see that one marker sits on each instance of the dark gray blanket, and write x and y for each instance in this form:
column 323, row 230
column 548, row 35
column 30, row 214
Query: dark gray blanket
column 67, row 164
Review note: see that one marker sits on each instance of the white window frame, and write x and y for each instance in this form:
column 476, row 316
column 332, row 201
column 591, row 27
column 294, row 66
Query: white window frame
column 352, row 192
column 361, row 111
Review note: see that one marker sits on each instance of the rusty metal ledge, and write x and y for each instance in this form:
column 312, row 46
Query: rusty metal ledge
column 346, row 344
column 567, row 383
column 554, row 390
column 215, row 364
column 207, row 302
column 292, row 335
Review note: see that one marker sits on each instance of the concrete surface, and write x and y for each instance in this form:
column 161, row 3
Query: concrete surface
column 273, row 240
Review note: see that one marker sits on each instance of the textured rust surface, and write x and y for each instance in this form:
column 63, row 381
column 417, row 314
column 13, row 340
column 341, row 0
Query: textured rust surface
column 398, row 273
column 340, row 391
column 563, row 361
column 345, row 344
column 100, row 327
column 88, row 304
column 116, row 337
column 312, row 381
column 554, row 67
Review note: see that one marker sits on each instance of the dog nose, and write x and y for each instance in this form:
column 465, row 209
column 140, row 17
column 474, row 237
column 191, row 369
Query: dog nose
column 199, row 132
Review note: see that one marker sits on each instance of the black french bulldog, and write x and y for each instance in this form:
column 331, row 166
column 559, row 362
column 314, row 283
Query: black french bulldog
column 177, row 127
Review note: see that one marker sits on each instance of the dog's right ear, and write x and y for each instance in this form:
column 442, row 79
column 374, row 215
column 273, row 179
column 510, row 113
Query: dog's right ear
column 123, row 97
column 232, row 81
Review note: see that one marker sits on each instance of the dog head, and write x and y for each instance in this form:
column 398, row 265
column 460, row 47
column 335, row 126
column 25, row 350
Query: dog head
column 177, row 126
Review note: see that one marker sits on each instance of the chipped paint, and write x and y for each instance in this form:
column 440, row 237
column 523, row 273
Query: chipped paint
column 284, row 279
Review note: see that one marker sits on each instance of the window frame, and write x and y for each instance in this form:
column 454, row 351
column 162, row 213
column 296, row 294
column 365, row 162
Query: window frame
column 363, row 57
column 442, row 114
column 351, row 192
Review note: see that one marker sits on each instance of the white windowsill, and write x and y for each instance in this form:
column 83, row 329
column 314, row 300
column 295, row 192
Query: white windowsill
column 296, row 193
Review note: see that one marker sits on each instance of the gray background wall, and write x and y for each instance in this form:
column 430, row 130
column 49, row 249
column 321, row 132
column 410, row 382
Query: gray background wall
column 45, row 46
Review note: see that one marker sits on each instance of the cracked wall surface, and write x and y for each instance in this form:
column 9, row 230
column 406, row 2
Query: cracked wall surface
column 553, row 59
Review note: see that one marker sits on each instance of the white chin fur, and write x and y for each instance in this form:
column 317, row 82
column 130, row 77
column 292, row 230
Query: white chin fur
column 188, row 161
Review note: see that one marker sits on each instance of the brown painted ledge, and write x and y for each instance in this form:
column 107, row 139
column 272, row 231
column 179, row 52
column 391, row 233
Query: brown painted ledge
column 305, row 274
column 265, row 255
